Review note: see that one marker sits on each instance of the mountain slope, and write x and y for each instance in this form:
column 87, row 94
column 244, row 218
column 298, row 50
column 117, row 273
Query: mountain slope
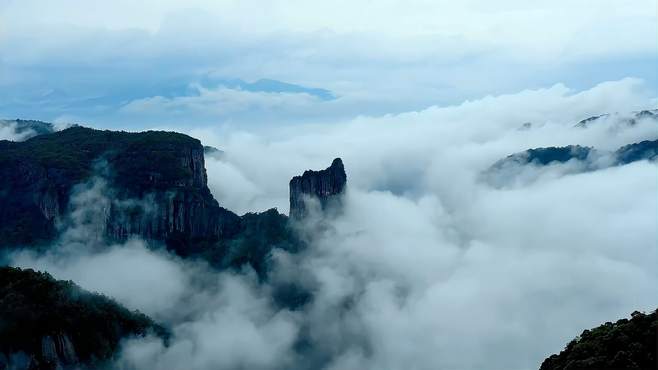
column 628, row 344
column 47, row 324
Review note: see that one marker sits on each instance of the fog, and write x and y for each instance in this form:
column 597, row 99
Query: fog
column 426, row 266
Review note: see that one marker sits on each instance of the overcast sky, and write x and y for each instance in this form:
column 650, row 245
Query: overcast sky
column 150, row 63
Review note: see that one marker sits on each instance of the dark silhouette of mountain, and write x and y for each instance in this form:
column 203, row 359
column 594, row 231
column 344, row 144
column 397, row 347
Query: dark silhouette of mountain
column 628, row 344
column 544, row 156
column 51, row 324
column 647, row 149
column 585, row 158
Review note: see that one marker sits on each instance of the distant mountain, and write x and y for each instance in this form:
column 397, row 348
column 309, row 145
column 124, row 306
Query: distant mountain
column 630, row 120
column 269, row 86
column 582, row 159
column 628, row 344
column 51, row 324
column 25, row 129
column 545, row 156
column 636, row 152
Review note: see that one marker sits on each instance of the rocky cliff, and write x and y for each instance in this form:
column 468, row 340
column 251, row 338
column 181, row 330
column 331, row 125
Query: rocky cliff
column 51, row 324
column 156, row 183
column 325, row 186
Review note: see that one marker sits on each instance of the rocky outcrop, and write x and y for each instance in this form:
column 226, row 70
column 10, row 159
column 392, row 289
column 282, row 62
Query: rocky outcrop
column 325, row 186
column 647, row 149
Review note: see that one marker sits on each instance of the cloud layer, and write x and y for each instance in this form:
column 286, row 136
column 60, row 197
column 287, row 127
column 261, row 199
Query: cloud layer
column 86, row 63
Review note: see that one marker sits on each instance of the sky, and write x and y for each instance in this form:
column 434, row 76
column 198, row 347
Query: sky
column 118, row 64
column 428, row 266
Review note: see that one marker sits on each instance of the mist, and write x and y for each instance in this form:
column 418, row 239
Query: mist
column 425, row 267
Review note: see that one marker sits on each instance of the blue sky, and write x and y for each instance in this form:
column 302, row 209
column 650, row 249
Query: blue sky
column 249, row 64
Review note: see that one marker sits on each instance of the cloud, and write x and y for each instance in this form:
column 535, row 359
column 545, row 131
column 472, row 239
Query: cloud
column 426, row 267
column 220, row 102
column 427, row 263
column 9, row 131
column 409, row 55
column 411, row 152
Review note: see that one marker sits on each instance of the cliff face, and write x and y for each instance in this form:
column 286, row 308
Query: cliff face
column 326, row 186
column 158, row 182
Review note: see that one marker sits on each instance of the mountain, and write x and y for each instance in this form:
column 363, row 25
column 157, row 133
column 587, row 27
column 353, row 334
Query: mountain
column 51, row 324
column 628, row 344
column 326, row 186
column 548, row 155
column 636, row 152
column 21, row 129
column 629, row 120
column 38, row 176
column 155, row 189
column 269, row 86
column 582, row 159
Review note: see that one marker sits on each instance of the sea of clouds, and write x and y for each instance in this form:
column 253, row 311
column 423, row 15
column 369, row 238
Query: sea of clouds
column 426, row 267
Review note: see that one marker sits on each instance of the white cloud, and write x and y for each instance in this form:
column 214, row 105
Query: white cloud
column 407, row 56
column 220, row 102
column 8, row 131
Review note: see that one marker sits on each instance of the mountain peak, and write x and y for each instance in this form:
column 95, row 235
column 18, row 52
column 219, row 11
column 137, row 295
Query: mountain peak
column 325, row 185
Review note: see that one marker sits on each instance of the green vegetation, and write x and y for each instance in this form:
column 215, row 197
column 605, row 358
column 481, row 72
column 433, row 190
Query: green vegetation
column 74, row 150
column 252, row 243
column 34, row 305
column 628, row 344
column 37, row 175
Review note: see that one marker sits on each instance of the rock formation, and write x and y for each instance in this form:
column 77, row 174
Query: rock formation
column 326, row 186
